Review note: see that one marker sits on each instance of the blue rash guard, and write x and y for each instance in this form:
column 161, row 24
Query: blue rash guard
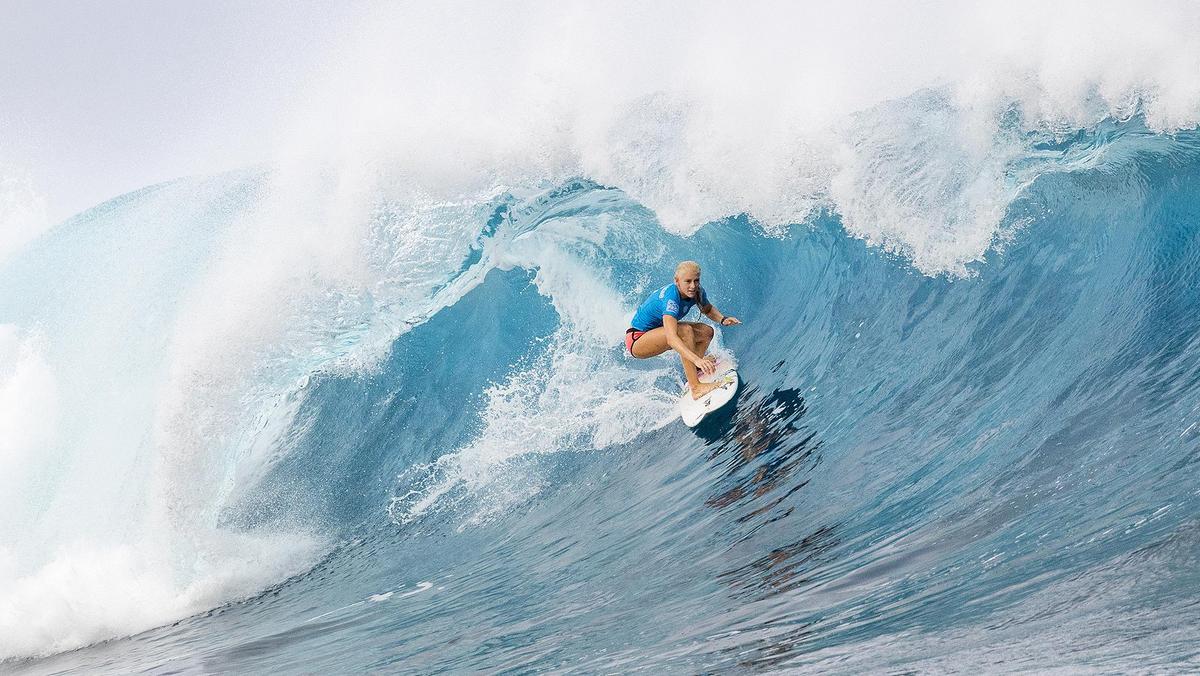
column 665, row 301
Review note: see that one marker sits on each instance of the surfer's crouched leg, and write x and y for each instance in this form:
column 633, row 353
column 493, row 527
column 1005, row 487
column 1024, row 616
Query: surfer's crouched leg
column 704, row 335
column 698, row 336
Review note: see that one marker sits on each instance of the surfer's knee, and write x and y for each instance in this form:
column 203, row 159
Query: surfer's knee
column 704, row 333
column 686, row 331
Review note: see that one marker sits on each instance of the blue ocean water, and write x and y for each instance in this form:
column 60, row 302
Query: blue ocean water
column 450, row 466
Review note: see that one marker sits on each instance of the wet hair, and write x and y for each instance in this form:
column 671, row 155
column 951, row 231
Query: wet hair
column 685, row 266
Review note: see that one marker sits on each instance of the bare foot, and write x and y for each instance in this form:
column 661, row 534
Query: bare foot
column 704, row 389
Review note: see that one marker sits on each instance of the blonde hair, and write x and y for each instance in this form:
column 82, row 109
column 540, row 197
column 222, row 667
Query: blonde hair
column 687, row 266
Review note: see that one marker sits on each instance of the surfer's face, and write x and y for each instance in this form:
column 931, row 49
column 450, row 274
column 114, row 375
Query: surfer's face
column 688, row 283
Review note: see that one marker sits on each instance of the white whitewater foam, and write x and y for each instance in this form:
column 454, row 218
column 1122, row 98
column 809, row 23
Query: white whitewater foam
column 29, row 417
column 58, row 593
column 90, row 591
column 702, row 110
column 919, row 178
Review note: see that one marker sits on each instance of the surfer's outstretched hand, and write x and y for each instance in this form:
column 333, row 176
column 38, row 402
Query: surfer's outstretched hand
column 730, row 321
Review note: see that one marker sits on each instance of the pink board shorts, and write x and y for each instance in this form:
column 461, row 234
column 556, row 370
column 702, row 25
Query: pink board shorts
column 632, row 335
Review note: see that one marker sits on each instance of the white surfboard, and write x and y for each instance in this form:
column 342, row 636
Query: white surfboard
column 693, row 410
column 725, row 362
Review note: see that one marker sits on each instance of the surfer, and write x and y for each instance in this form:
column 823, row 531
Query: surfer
column 656, row 328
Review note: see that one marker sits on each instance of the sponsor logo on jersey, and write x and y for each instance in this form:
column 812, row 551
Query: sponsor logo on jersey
column 672, row 306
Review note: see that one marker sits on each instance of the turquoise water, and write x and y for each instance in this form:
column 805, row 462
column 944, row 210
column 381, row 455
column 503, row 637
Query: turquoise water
column 436, row 458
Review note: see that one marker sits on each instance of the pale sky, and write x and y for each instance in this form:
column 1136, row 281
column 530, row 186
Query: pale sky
column 100, row 98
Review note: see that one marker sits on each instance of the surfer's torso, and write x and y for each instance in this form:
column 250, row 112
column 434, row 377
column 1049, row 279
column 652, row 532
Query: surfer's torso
column 665, row 301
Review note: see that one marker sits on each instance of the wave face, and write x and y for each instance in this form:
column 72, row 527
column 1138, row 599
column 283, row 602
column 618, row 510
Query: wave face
column 429, row 452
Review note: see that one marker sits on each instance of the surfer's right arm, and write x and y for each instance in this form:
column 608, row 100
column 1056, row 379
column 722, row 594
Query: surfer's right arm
column 706, row 365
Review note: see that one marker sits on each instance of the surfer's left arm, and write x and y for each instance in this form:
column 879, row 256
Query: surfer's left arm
column 714, row 314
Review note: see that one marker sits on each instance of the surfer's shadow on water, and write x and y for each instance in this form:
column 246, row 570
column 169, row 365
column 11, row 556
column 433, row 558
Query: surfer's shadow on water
column 750, row 417
column 767, row 456
column 762, row 446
